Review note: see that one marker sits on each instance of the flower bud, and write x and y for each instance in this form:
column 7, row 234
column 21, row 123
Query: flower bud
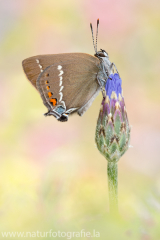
column 113, row 130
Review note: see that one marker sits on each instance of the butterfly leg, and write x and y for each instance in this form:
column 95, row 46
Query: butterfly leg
column 114, row 66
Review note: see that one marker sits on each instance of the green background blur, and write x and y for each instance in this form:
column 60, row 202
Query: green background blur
column 51, row 173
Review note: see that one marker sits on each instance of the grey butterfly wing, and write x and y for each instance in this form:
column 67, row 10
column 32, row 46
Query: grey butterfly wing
column 72, row 84
column 33, row 66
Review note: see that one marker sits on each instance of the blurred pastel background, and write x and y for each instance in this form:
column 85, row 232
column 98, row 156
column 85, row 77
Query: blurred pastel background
column 51, row 174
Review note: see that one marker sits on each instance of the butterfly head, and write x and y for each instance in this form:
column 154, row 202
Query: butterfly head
column 101, row 54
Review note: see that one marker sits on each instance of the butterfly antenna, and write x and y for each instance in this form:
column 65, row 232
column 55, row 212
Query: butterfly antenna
column 97, row 33
column 93, row 38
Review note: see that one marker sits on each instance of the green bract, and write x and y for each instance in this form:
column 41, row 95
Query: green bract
column 113, row 130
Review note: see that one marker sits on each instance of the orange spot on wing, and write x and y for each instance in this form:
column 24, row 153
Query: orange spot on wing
column 48, row 87
column 47, row 82
column 53, row 101
column 50, row 94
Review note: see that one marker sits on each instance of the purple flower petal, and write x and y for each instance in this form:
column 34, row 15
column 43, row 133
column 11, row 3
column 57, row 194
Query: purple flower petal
column 113, row 83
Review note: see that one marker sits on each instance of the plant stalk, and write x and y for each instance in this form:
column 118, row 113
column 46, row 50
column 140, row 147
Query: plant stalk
column 112, row 171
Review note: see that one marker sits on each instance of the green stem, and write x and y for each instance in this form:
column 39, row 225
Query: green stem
column 112, row 171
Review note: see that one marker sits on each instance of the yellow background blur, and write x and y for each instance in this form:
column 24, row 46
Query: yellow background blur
column 51, row 173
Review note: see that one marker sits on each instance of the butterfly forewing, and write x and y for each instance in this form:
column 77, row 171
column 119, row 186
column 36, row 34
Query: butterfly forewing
column 33, row 66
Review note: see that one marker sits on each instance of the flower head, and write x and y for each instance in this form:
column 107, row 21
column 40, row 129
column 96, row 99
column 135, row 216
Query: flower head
column 113, row 130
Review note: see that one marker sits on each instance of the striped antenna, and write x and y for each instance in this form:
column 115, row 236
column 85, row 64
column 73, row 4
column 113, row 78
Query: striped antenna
column 93, row 38
column 97, row 33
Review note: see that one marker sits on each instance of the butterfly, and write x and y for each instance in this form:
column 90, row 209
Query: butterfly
column 69, row 82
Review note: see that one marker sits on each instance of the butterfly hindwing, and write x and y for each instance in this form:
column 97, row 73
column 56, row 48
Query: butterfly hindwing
column 67, row 85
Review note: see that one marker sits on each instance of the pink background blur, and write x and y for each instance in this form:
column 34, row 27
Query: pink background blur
column 51, row 174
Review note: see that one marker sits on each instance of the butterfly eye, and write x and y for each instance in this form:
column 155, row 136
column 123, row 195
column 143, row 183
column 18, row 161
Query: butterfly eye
column 101, row 55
